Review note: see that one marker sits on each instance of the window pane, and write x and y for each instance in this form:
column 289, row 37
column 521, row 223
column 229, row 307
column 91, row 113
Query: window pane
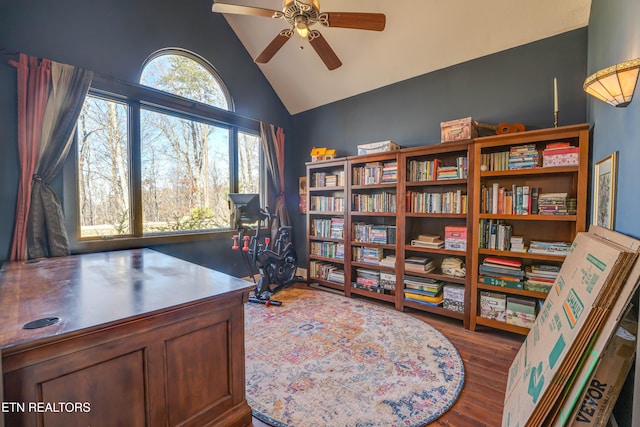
column 184, row 77
column 185, row 174
column 103, row 165
column 248, row 163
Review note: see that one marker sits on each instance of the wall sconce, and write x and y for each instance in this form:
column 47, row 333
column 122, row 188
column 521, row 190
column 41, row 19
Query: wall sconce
column 614, row 85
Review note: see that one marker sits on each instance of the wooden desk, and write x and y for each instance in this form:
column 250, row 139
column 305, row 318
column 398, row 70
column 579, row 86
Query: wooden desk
column 144, row 339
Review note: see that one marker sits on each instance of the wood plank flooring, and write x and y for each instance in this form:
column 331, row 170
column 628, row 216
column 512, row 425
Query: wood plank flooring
column 487, row 355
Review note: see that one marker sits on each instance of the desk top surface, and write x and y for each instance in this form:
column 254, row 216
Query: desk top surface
column 92, row 290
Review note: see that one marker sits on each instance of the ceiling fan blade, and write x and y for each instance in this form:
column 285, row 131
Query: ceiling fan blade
column 244, row 10
column 323, row 50
column 354, row 20
column 274, row 46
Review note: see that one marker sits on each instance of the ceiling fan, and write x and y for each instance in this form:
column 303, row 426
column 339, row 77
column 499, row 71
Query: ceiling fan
column 302, row 15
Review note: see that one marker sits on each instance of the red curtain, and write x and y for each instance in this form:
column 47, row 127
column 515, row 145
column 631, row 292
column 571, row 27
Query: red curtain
column 34, row 77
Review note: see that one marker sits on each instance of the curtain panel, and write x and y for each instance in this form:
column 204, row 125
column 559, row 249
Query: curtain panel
column 50, row 98
column 34, row 77
column 273, row 148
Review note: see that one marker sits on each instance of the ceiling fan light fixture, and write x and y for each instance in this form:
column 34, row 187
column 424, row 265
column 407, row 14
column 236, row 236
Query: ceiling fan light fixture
column 301, row 26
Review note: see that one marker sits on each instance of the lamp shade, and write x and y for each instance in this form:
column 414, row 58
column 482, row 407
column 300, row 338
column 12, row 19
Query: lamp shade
column 614, row 85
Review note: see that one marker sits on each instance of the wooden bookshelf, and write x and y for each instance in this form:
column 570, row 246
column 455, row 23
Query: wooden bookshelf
column 327, row 199
column 431, row 203
column 365, row 194
column 561, row 227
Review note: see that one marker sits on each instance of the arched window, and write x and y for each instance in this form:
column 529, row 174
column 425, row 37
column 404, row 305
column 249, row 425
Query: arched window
column 145, row 155
column 187, row 75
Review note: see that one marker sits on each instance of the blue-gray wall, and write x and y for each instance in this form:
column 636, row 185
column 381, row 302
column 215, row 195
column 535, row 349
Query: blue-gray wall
column 114, row 38
column 614, row 36
column 514, row 86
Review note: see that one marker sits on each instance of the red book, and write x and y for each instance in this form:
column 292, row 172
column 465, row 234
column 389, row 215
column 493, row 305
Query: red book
column 503, row 262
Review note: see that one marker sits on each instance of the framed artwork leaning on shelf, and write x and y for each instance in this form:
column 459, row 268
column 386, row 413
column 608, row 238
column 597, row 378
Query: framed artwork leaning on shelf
column 604, row 191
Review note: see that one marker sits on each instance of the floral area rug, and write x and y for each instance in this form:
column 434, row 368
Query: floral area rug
column 327, row 360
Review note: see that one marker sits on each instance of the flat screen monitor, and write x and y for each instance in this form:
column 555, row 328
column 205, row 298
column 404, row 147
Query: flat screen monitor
column 245, row 207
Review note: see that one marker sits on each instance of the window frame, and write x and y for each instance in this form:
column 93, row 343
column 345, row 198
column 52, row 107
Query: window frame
column 137, row 96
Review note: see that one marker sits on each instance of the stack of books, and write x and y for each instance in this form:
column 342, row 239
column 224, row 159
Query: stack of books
column 523, row 157
column 418, row 264
column 336, row 276
column 549, row 248
column 423, row 290
column 502, row 272
column 390, row 172
column 366, row 279
column 388, row 261
column 517, row 244
column 447, row 172
column 428, row 241
column 552, row 204
column 540, row 277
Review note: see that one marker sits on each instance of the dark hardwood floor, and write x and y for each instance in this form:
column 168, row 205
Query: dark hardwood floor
column 487, row 355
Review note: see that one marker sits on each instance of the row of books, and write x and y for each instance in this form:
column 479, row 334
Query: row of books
column 435, row 170
column 496, row 234
column 367, row 255
column 375, row 202
column 327, row 204
column 328, row 228
column 451, row 202
column 326, row 271
column 324, row 179
column 528, row 156
column 514, row 200
column 374, row 233
column 328, row 249
column 375, row 173
column 370, row 280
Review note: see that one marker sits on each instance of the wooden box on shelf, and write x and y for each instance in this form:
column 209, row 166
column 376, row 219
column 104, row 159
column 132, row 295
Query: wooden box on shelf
column 524, row 212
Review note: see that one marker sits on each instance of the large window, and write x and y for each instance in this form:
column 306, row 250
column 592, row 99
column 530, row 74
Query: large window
column 151, row 164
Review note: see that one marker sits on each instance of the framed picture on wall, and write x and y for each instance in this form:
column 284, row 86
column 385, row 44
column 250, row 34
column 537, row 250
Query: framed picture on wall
column 604, row 191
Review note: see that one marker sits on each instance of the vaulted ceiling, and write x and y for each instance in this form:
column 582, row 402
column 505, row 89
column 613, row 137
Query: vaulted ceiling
column 420, row 36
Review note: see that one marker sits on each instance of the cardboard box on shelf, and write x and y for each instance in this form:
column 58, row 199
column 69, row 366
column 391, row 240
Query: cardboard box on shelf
column 377, row 147
column 458, row 130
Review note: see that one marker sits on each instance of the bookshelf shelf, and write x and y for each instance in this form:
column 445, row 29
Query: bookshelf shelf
column 439, row 182
column 372, row 245
column 532, row 171
column 496, row 192
column 522, row 255
column 327, row 259
column 564, row 218
column 434, row 309
column 434, row 215
column 495, row 324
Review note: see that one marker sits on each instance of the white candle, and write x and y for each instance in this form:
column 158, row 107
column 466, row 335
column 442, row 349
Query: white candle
column 555, row 94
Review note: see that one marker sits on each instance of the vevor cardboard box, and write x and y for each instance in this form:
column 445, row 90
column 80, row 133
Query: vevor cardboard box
column 600, row 393
column 598, row 354
column 564, row 327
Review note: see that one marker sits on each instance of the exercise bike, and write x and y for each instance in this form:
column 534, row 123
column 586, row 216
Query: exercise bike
column 276, row 262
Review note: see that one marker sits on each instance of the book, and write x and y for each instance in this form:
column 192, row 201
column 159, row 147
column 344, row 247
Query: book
column 505, row 282
column 428, row 238
column 503, row 261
